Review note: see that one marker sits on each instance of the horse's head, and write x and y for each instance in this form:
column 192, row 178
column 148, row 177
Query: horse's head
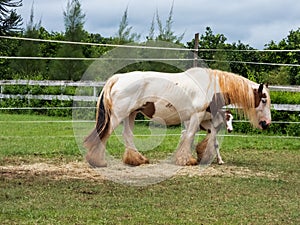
column 262, row 106
column 228, row 120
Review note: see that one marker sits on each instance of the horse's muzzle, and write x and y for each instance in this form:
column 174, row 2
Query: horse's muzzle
column 264, row 125
column 229, row 130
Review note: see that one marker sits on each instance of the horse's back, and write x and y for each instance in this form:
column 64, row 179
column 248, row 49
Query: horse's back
column 175, row 95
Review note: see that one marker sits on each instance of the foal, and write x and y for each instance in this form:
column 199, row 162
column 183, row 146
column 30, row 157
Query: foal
column 224, row 117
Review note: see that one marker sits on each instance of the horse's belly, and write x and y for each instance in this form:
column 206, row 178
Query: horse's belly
column 168, row 118
column 167, row 114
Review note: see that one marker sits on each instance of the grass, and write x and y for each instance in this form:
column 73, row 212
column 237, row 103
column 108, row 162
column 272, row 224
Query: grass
column 39, row 199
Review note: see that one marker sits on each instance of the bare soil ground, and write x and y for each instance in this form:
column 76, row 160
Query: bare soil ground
column 80, row 170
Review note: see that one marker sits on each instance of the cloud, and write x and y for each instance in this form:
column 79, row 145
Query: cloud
column 254, row 22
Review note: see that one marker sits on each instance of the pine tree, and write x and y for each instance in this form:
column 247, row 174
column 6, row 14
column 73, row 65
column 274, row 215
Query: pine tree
column 165, row 32
column 29, row 69
column 9, row 19
column 74, row 22
column 124, row 34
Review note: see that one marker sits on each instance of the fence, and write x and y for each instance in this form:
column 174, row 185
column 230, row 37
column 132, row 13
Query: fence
column 97, row 85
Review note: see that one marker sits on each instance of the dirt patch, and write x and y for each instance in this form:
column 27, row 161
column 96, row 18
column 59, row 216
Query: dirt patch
column 120, row 172
column 225, row 171
column 73, row 170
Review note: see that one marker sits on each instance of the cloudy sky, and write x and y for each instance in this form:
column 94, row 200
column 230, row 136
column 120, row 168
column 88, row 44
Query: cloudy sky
column 254, row 22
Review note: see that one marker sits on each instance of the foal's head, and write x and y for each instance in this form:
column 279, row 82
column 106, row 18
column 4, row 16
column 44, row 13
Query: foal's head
column 228, row 121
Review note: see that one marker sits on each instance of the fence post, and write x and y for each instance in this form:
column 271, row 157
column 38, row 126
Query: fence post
column 196, row 43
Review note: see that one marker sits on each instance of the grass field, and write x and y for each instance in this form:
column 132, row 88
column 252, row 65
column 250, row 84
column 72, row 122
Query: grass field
column 259, row 184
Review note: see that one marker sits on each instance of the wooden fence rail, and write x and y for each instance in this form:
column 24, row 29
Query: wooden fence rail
column 96, row 85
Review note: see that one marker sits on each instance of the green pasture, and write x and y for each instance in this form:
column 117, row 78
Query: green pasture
column 30, row 198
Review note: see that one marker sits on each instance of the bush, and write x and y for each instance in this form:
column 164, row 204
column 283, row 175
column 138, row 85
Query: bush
column 40, row 107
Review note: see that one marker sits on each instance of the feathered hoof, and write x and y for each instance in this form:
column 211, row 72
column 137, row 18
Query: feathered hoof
column 96, row 162
column 134, row 158
column 182, row 161
column 95, row 158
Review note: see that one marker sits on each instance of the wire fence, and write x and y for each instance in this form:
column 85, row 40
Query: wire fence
column 140, row 46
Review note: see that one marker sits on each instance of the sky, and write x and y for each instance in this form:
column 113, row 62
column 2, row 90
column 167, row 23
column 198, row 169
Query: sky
column 253, row 22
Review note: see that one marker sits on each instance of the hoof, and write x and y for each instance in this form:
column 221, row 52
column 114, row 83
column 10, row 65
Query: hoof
column 96, row 158
column 191, row 161
column 220, row 162
column 134, row 158
column 96, row 162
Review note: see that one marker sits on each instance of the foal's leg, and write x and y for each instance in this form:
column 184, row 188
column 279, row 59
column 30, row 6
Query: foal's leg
column 216, row 125
column 131, row 155
column 219, row 158
column 211, row 147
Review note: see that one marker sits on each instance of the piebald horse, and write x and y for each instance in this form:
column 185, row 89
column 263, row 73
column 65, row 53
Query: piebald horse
column 172, row 98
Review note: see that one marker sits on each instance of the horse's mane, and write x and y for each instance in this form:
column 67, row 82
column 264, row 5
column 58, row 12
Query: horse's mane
column 237, row 91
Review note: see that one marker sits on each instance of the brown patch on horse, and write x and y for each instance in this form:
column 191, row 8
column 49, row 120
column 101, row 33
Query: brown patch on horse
column 258, row 95
column 228, row 114
column 134, row 158
column 200, row 149
column 148, row 109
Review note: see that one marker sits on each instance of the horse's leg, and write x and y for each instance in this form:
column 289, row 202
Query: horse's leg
column 183, row 155
column 96, row 153
column 131, row 155
column 97, row 146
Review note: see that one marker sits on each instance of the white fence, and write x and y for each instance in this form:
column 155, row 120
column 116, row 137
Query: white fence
column 97, row 85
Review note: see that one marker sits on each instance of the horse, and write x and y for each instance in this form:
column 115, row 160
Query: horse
column 172, row 98
column 223, row 117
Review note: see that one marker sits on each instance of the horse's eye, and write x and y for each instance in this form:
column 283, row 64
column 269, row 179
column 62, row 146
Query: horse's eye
column 264, row 101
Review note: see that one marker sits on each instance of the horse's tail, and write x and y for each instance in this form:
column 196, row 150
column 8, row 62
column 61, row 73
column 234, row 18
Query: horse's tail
column 104, row 106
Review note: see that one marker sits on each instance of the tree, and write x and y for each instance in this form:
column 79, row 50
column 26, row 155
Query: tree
column 209, row 40
column 10, row 22
column 165, row 32
column 9, row 19
column 74, row 22
column 124, row 34
column 29, row 69
column 228, row 57
column 291, row 42
column 150, row 37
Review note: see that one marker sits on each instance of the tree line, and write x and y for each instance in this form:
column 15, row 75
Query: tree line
column 228, row 56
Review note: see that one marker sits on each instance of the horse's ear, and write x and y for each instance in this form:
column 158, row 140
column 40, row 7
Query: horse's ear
column 267, row 85
column 261, row 86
